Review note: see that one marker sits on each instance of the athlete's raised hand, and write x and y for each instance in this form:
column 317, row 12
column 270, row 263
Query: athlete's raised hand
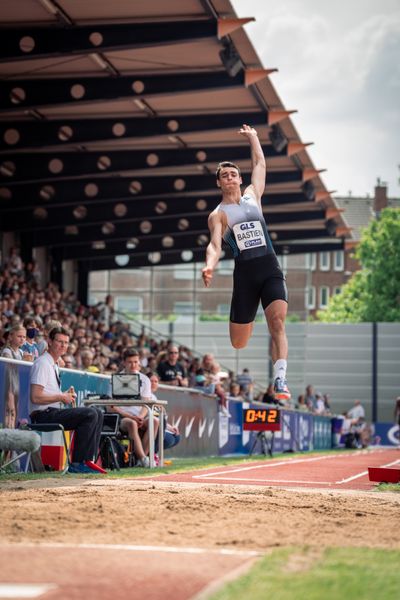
column 248, row 131
column 207, row 274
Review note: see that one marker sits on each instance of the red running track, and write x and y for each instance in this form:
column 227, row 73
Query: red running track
column 339, row 470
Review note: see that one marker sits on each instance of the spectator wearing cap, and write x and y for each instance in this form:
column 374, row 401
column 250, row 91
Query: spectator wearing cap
column 106, row 346
column 171, row 371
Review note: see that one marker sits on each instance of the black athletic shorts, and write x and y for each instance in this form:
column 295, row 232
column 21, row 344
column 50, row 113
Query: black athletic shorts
column 257, row 279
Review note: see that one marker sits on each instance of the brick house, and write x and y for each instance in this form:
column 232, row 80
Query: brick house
column 322, row 274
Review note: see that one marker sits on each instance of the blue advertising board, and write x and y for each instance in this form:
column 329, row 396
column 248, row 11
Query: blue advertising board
column 297, row 432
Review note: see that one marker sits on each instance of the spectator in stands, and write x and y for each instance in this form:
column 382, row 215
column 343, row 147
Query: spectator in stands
column 171, row 371
column 310, row 398
column 33, row 273
column 397, row 415
column 14, row 263
column 347, row 434
column 32, row 331
column 236, row 392
column 218, row 378
column 106, row 346
column 50, row 405
column 14, row 341
column 268, row 397
column 246, row 383
column 134, row 420
column 69, row 361
column 327, row 402
column 87, row 362
column 319, row 407
column 202, row 384
column 357, row 412
column 301, row 403
column 171, row 433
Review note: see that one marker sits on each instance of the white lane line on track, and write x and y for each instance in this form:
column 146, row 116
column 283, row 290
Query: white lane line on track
column 351, row 478
column 24, row 590
column 166, row 549
column 395, row 462
column 270, row 480
column 271, row 465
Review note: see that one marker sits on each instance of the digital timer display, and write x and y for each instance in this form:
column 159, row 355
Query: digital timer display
column 261, row 419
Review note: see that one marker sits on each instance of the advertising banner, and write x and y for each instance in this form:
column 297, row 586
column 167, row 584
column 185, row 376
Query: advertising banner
column 387, row 434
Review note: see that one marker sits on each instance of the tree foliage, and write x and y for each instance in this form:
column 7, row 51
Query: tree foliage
column 373, row 293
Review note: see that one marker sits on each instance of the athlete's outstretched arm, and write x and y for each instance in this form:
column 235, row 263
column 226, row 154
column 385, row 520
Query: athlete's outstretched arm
column 257, row 162
column 213, row 249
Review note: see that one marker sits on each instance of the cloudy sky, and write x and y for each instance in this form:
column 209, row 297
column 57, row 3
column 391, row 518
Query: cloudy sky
column 339, row 66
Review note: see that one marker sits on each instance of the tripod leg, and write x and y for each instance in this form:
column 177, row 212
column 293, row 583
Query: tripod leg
column 264, row 443
column 254, row 445
column 113, row 454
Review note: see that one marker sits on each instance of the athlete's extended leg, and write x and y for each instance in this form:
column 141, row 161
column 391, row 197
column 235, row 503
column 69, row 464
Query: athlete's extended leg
column 275, row 314
column 240, row 334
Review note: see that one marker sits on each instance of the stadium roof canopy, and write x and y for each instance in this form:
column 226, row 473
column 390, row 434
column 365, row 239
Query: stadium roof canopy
column 113, row 118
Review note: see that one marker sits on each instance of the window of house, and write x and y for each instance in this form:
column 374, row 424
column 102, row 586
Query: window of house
column 323, row 296
column 223, row 309
column 186, row 308
column 311, row 261
column 283, row 260
column 183, row 272
column 225, row 267
column 337, row 290
column 129, row 304
column 338, row 258
column 310, row 297
column 324, row 261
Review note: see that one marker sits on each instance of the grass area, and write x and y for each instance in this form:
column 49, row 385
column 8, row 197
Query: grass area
column 388, row 487
column 178, row 465
column 332, row 574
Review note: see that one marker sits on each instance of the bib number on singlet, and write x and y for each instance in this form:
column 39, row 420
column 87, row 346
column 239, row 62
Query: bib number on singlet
column 248, row 235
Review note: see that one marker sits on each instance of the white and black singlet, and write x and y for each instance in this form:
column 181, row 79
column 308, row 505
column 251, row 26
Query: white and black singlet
column 257, row 275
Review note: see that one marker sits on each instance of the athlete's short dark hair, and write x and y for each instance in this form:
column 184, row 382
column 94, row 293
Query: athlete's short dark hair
column 223, row 165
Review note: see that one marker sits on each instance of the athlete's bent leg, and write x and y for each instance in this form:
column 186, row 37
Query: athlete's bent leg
column 240, row 334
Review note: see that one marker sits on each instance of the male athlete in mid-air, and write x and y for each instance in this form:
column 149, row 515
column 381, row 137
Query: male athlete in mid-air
column 257, row 276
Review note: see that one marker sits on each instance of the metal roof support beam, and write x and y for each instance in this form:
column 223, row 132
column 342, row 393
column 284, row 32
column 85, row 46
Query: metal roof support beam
column 128, row 231
column 91, row 189
column 33, row 217
column 64, row 132
column 39, row 42
column 180, row 208
column 17, row 94
column 31, row 166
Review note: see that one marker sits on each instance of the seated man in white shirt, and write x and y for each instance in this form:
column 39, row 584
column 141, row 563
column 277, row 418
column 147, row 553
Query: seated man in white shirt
column 134, row 420
column 357, row 413
column 50, row 405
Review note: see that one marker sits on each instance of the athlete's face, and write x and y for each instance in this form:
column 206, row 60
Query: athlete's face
column 229, row 178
